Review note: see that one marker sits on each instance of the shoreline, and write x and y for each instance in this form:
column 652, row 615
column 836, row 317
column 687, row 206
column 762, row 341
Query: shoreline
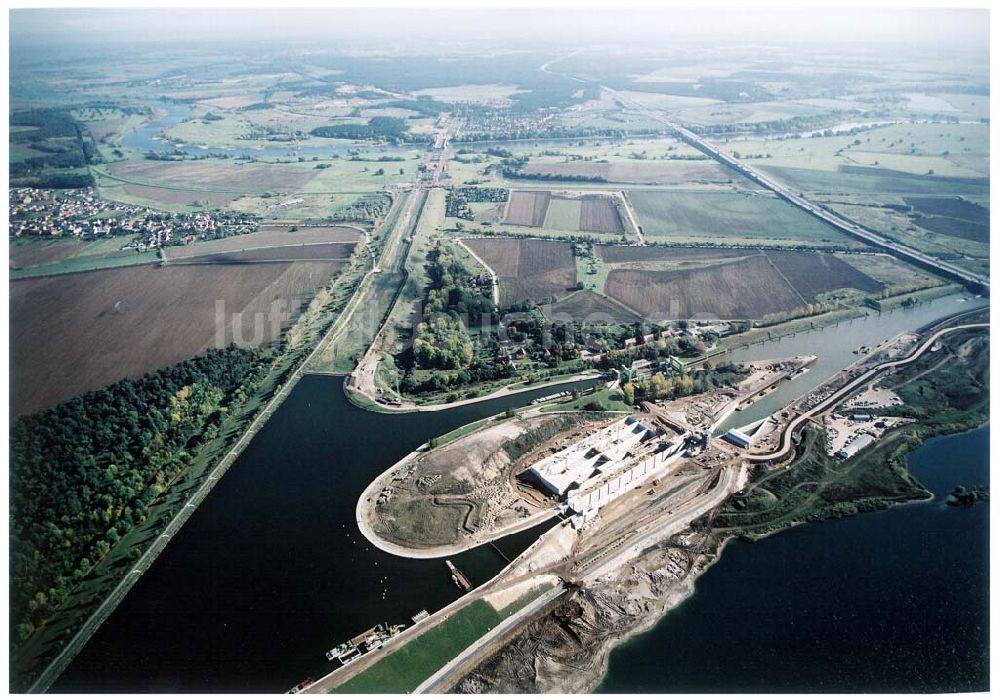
column 355, row 396
column 710, row 559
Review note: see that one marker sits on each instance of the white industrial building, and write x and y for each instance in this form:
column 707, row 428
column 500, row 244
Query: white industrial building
column 596, row 469
column 854, row 445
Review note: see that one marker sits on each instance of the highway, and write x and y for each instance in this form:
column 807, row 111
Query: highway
column 945, row 268
column 785, row 445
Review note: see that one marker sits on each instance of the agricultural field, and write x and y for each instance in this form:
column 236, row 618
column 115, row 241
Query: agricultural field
column 78, row 332
column 897, row 276
column 950, row 150
column 527, row 209
column 172, row 185
column 35, row 257
column 756, row 285
column 876, row 182
column 308, row 252
column 27, row 253
column 625, row 283
column 269, row 237
column 588, row 306
column 588, row 213
column 961, row 238
column 528, row 268
column 730, row 218
column 952, row 216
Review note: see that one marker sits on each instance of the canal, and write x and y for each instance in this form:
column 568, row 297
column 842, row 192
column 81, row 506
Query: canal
column 834, row 347
column 271, row 570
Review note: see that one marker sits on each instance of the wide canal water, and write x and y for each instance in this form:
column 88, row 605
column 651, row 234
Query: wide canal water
column 271, row 571
column 834, row 347
column 890, row 601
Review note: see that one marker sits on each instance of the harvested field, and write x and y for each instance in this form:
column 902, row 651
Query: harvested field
column 748, row 288
column 588, row 307
column 753, row 286
column 952, row 217
column 527, row 209
column 876, row 181
column 267, row 237
column 68, row 337
column 595, row 213
column 600, row 215
column 528, row 269
column 951, row 207
column 25, row 253
column 667, row 172
column 177, row 197
column 956, row 228
column 812, row 273
column 213, row 176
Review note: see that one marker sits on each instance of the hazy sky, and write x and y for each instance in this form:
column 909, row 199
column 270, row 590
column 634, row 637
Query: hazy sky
column 968, row 28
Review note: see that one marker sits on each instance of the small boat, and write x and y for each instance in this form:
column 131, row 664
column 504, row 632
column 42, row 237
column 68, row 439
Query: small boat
column 342, row 649
column 301, row 686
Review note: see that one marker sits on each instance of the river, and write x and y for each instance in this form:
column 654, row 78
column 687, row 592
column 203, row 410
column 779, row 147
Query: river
column 148, row 138
column 890, row 601
column 271, row 570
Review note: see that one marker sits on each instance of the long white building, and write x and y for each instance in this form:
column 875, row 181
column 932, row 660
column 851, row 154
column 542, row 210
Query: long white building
column 595, row 470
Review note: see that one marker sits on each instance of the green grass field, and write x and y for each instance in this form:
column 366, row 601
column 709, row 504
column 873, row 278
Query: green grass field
column 563, row 214
column 403, row 670
column 83, row 263
column 609, row 400
column 826, row 182
column 729, row 218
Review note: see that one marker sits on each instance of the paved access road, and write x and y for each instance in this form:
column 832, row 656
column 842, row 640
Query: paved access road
column 785, row 444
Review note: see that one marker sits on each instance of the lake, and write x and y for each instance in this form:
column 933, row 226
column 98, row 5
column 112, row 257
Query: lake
column 889, row 601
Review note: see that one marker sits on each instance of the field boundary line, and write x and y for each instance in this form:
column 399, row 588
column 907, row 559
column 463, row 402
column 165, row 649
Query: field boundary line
column 496, row 280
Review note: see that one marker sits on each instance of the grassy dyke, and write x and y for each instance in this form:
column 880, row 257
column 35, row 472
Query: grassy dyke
column 403, row 670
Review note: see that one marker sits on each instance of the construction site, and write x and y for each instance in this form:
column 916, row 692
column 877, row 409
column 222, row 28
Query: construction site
column 636, row 493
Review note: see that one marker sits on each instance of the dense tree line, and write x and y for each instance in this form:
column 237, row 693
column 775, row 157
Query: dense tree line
column 86, row 472
column 453, row 297
column 443, row 342
column 653, row 351
column 377, row 128
column 515, row 174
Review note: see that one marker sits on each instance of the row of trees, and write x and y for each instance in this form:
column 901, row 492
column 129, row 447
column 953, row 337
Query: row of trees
column 670, row 387
column 377, row 128
column 86, row 472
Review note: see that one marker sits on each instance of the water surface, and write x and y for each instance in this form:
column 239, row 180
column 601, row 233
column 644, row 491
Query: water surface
column 889, row 601
column 271, row 570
